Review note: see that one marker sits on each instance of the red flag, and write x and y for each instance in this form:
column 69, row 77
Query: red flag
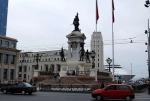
column 97, row 15
column 113, row 8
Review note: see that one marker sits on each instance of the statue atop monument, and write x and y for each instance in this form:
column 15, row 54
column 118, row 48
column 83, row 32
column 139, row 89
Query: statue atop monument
column 76, row 23
column 62, row 55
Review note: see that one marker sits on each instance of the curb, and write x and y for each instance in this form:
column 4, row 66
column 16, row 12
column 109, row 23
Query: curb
column 60, row 91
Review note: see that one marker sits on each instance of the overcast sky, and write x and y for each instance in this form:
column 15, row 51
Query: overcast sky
column 44, row 24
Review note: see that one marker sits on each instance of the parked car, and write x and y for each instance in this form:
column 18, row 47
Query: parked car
column 22, row 88
column 114, row 92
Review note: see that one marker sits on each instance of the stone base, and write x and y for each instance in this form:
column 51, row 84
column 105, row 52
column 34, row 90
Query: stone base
column 73, row 65
column 92, row 72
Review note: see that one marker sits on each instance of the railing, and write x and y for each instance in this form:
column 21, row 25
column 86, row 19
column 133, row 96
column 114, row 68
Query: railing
column 46, row 73
column 82, row 72
column 103, row 73
column 67, row 87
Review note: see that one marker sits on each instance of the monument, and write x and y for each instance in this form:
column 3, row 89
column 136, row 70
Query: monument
column 77, row 59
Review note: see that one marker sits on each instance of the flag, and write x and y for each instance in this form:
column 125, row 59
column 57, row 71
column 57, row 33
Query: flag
column 113, row 8
column 97, row 15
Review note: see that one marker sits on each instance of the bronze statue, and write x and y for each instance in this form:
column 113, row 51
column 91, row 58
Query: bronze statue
column 82, row 52
column 87, row 56
column 76, row 23
column 62, row 55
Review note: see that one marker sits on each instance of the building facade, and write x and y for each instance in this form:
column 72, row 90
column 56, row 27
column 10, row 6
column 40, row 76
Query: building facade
column 3, row 16
column 47, row 61
column 8, row 58
column 98, row 37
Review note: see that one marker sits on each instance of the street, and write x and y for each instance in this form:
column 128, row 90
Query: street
column 54, row 96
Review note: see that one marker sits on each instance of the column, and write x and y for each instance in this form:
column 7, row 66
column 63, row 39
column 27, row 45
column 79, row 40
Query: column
column 2, row 69
column 78, row 49
column 69, row 50
column 16, row 69
column 9, row 63
column 55, row 68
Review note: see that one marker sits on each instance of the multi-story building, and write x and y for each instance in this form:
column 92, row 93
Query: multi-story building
column 3, row 16
column 100, row 60
column 47, row 61
column 8, row 58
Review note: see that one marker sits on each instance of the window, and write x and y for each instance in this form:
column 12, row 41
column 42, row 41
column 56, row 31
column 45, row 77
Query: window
column 46, row 59
column 27, row 85
column 5, row 58
column 29, row 68
column 49, row 59
column 24, row 76
column 13, row 45
column 25, row 68
column 6, row 44
column 41, row 68
column 0, row 57
column 20, row 69
column 112, row 87
column 57, row 58
column 12, row 74
column 0, row 42
column 123, row 87
column 20, row 85
column 98, row 64
column 12, row 59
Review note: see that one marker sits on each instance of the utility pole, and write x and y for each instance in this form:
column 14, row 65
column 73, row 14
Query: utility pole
column 131, row 70
column 147, row 4
column 148, row 46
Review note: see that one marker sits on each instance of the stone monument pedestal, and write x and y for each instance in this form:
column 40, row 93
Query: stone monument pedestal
column 72, row 64
column 92, row 71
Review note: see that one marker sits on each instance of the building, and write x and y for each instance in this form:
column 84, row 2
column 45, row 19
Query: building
column 8, row 58
column 3, row 16
column 47, row 61
column 98, row 37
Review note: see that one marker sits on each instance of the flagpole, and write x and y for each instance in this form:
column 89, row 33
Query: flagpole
column 112, row 42
column 96, row 64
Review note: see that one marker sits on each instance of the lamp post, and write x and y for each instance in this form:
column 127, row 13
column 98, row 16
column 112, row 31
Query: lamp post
column 23, row 58
column 92, row 54
column 109, row 62
column 147, row 3
column 37, row 58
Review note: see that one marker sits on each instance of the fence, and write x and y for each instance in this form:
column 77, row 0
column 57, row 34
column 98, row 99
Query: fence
column 67, row 87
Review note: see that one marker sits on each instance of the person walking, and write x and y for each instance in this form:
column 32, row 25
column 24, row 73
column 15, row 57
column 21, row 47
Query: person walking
column 102, row 85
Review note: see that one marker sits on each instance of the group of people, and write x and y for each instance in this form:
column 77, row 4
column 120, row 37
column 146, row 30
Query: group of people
column 56, row 77
column 33, row 82
column 70, row 72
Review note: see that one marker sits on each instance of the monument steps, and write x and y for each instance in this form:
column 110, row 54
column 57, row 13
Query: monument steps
column 76, row 80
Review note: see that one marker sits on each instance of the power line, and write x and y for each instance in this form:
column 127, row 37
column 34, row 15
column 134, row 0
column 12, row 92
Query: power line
column 89, row 42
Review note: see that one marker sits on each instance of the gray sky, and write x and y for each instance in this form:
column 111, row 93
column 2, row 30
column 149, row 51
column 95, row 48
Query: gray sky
column 44, row 24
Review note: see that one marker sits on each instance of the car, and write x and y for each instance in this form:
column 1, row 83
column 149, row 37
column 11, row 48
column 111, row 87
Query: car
column 114, row 92
column 22, row 88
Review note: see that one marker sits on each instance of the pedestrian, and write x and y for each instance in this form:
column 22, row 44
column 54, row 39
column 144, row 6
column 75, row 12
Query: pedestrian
column 102, row 85
column 31, row 82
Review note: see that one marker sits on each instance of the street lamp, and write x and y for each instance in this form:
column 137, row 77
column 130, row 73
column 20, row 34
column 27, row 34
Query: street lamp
column 37, row 58
column 109, row 62
column 147, row 3
column 148, row 43
column 92, row 54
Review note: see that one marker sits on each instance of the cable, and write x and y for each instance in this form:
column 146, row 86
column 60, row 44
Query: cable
column 87, row 42
column 65, row 47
